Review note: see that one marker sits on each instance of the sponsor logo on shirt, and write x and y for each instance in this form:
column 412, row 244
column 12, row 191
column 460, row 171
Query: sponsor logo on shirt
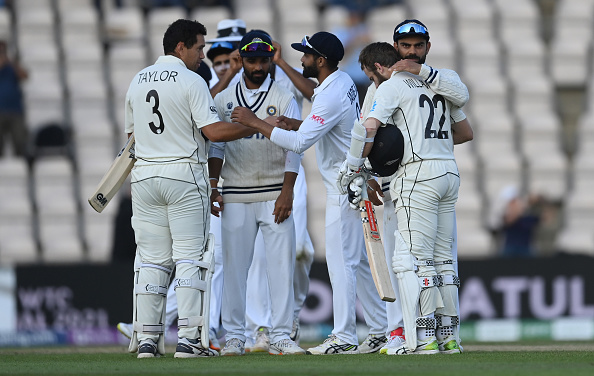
column 229, row 105
column 213, row 109
column 318, row 119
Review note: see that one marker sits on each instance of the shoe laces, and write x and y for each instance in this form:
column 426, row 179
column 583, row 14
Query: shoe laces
column 234, row 342
column 331, row 338
column 284, row 343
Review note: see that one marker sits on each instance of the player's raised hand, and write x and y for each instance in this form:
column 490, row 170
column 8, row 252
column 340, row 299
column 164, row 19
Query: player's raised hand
column 235, row 61
column 406, row 65
column 277, row 52
column 244, row 116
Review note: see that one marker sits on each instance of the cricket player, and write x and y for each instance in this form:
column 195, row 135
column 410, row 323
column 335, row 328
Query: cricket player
column 170, row 111
column 425, row 188
column 335, row 107
column 257, row 195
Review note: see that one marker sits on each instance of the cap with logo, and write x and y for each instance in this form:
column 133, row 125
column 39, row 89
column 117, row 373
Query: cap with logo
column 256, row 43
column 321, row 43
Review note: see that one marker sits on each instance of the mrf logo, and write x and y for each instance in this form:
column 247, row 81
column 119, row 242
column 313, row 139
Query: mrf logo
column 318, row 119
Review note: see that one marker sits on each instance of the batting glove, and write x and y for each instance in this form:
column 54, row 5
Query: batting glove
column 347, row 174
column 354, row 191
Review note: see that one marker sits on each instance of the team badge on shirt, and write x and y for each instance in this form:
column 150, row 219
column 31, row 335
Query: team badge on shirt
column 229, row 105
column 271, row 110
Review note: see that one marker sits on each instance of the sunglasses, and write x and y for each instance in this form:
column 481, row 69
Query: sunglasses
column 305, row 42
column 258, row 46
column 416, row 28
column 222, row 45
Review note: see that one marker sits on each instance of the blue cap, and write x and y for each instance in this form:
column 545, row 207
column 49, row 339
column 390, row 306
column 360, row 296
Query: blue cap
column 321, row 43
column 256, row 43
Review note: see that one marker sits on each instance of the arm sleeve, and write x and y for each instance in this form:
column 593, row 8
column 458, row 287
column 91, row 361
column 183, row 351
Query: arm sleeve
column 204, row 111
column 293, row 162
column 457, row 114
column 128, row 116
column 217, row 150
column 447, row 83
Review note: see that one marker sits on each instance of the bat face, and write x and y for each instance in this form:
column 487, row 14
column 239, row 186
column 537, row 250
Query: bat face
column 375, row 252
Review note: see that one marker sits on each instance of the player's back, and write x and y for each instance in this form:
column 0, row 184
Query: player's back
column 422, row 115
column 162, row 105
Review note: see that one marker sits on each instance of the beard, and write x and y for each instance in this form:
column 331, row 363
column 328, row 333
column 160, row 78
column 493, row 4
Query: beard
column 258, row 80
column 310, row 71
column 420, row 60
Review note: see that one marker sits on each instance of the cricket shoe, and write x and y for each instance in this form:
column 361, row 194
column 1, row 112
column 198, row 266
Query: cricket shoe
column 285, row 347
column 262, row 343
column 426, row 347
column 192, row 348
column 396, row 340
column 333, row 345
column 372, row 343
column 125, row 329
column 148, row 349
column 296, row 332
column 449, row 346
column 233, row 347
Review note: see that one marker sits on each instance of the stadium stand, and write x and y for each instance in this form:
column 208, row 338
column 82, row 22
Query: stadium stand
column 516, row 56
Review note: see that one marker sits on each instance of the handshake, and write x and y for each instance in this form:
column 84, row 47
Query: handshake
column 352, row 181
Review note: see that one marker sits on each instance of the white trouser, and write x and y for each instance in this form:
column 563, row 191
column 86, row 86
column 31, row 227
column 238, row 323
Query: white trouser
column 169, row 202
column 393, row 309
column 348, row 268
column 239, row 226
column 216, row 285
column 258, row 307
column 426, row 194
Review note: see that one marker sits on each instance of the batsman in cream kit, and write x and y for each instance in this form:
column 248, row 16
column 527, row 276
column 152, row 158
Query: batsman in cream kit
column 172, row 115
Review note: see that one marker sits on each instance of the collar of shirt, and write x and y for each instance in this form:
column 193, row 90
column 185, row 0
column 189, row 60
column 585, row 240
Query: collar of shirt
column 251, row 93
column 325, row 83
column 170, row 59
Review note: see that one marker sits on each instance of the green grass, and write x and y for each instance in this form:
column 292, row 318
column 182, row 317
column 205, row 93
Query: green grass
column 481, row 361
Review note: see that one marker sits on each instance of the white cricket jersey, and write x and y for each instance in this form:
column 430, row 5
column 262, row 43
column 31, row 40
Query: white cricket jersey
column 283, row 80
column 166, row 105
column 422, row 116
column 254, row 166
column 334, row 110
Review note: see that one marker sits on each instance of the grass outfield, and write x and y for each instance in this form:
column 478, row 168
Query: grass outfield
column 538, row 359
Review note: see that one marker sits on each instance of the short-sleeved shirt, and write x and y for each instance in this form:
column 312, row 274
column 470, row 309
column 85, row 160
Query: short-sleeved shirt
column 166, row 105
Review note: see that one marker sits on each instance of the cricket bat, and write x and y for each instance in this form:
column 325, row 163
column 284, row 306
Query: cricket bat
column 375, row 250
column 114, row 177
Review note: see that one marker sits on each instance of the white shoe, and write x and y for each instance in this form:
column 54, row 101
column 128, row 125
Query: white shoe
column 449, row 345
column 233, row 347
column 262, row 343
column 333, row 345
column 296, row 332
column 148, row 349
column 425, row 347
column 372, row 343
column 285, row 347
column 395, row 341
column 187, row 348
column 125, row 329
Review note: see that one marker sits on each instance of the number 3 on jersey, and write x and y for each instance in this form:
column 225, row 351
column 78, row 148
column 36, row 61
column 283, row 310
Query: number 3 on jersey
column 430, row 132
column 161, row 127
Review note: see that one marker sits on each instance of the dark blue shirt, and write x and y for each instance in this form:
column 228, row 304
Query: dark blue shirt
column 11, row 99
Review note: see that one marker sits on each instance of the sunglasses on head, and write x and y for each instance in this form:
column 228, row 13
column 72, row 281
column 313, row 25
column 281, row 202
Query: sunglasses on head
column 223, row 45
column 258, row 45
column 305, row 42
column 412, row 28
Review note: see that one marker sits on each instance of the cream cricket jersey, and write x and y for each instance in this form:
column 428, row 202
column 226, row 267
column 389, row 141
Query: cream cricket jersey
column 334, row 110
column 166, row 105
column 422, row 116
column 254, row 167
